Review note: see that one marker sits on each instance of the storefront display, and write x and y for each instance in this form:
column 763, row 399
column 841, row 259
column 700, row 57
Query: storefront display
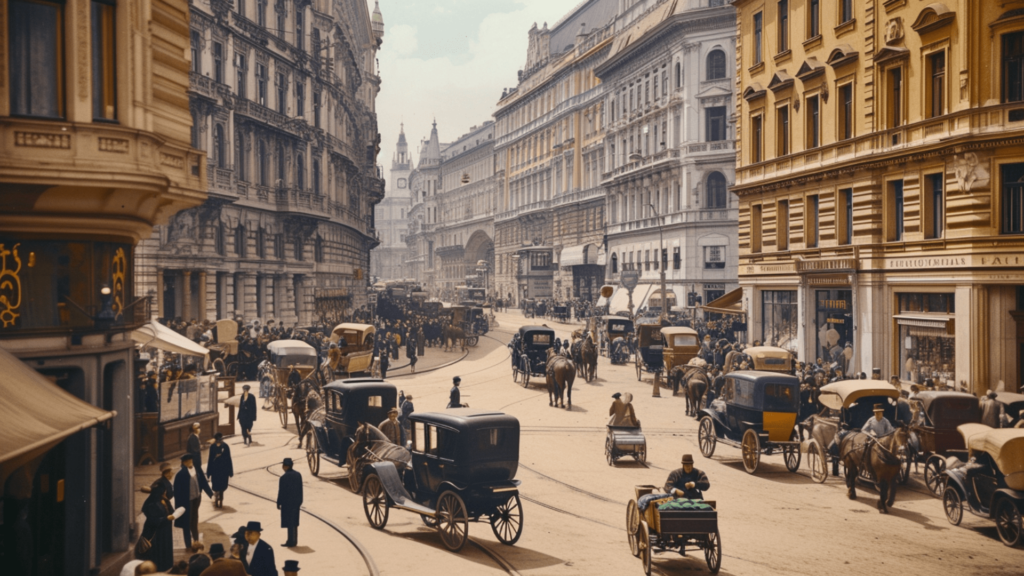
column 834, row 326
column 927, row 341
column 779, row 319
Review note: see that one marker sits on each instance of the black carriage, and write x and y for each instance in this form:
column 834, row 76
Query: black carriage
column 615, row 333
column 756, row 412
column 934, row 435
column 347, row 403
column 650, row 351
column 560, row 313
column 652, row 530
column 1013, row 405
column 463, row 469
column 529, row 308
column 532, row 356
column 472, row 321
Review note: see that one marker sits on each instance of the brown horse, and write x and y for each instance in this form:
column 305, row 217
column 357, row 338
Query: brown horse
column 561, row 373
column 693, row 380
column 451, row 335
column 589, row 354
column 878, row 458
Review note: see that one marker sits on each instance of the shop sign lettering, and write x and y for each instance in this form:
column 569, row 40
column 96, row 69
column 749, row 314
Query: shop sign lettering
column 916, row 263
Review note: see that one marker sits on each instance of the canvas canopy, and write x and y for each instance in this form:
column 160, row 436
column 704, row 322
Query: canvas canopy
column 227, row 332
column 36, row 414
column 838, row 395
column 291, row 352
column 354, row 333
column 1005, row 446
column 730, row 303
column 163, row 338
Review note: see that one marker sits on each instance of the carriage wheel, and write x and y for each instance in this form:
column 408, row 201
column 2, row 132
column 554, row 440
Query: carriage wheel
column 952, row 505
column 313, row 453
column 904, row 474
column 515, row 373
column 932, row 469
column 817, row 462
column 282, row 406
column 472, row 341
column 353, row 480
column 713, row 551
column 751, row 451
column 429, row 521
column 706, row 437
column 526, row 372
column 507, row 521
column 608, row 447
column 645, row 548
column 633, row 527
column 792, row 453
column 375, row 502
column 641, row 454
column 1008, row 522
column 451, row 521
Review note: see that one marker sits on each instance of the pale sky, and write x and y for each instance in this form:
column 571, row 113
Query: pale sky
column 450, row 59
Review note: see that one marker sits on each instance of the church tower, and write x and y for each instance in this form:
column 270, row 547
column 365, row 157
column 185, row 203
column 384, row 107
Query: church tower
column 392, row 216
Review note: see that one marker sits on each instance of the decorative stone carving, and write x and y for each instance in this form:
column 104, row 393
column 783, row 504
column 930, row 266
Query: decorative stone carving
column 969, row 171
column 118, row 145
column 894, row 30
column 42, row 140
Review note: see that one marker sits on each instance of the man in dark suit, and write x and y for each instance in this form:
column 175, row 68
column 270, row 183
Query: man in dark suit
column 246, row 414
column 189, row 485
column 194, row 446
column 454, row 396
column 289, row 500
column 258, row 556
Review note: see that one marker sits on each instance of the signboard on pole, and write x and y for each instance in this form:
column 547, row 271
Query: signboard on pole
column 630, row 278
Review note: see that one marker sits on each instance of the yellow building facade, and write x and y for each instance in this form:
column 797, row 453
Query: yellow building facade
column 880, row 174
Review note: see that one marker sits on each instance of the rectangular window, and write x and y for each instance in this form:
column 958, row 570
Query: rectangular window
column 895, row 209
column 845, row 11
column 103, row 64
column 895, row 100
column 783, row 25
column 261, row 13
column 316, row 109
column 714, row 257
column 714, row 123
column 813, row 122
column 933, row 210
column 782, row 225
column 937, row 86
column 300, row 99
column 647, row 260
column 218, row 62
column 261, row 84
column 1013, row 67
column 811, row 220
column 300, row 40
column 780, row 317
column 282, row 94
column 844, row 219
column 280, row 9
column 756, row 139
column 846, row 112
column 677, row 259
column 814, row 19
column 195, row 42
column 782, row 130
column 1013, row 198
column 36, row 58
column 755, row 228
column 757, row 37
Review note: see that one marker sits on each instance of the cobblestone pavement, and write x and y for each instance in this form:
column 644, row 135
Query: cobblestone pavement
column 773, row 522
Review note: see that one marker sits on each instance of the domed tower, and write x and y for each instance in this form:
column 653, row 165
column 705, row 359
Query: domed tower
column 377, row 21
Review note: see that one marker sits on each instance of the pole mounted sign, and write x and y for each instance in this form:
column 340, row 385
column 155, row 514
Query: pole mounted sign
column 630, row 278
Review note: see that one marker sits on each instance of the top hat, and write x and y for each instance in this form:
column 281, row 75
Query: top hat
column 253, row 526
column 186, row 456
column 878, row 408
column 216, row 550
column 287, row 462
column 291, row 565
column 687, row 459
column 617, row 395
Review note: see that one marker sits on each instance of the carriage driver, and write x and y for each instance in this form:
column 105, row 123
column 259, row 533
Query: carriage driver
column 879, row 425
column 687, row 482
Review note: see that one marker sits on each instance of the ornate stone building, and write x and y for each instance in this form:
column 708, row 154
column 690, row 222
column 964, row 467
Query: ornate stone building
column 94, row 151
column 283, row 99
column 392, row 218
column 879, row 178
column 425, row 182
column 670, row 151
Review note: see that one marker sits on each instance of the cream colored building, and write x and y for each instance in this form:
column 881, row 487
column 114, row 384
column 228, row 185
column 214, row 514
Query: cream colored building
column 879, row 176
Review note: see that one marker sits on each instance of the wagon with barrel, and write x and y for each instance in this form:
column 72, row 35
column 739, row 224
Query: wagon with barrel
column 649, row 351
column 756, row 412
column 288, row 362
column 625, row 441
column 463, row 468
column 531, row 359
column 357, row 348
column 934, row 432
column 675, row 528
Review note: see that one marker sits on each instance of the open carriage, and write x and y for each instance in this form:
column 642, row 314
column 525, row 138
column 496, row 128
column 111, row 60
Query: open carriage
column 463, row 469
column 681, row 344
column 285, row 358
column 651, row 530
column 936, row 432
column 472, row 320
column 357, row 353
column 531, row 360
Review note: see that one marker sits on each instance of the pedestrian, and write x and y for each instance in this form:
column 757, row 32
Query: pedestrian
column 403, row 419
column 291, row 568
column 289, row 500
column 222, row 566
column 391, row 428
column 220, row 468
column 194, row 445
column 454, row 396
column 158, row 528
column 246, row 414
column 421, row 340
column 385, row 361
column 198, row 563
column 257, row 555
column 410, row 352
column 189, row 485
column 992, row 411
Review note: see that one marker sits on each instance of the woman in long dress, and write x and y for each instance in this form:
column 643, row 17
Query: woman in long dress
column 158, row 528
column 220, row 468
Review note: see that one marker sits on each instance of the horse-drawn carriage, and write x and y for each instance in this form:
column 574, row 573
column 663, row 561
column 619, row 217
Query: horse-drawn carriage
column 756, row 413
column 560, row 312
column 463, row 468
column 681, row 344
column 649, row 351
column 1013, row 405
column 529, row 308
column 531, row 358
column 991, row 483
column 936, row 431
column 357, row 351
column 652, row 530
column 289, row 362
column 615, row 332
column 770, row 359
column 471, row 320
column 625, row 441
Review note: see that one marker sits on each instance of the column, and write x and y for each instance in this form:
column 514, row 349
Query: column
column 186, row 295
column 160, row 292
column 248, row 295
column 202, row 296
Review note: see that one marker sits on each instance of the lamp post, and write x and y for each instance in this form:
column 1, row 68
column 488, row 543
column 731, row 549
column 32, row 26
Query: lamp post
column 516, row 258
column 661, row 236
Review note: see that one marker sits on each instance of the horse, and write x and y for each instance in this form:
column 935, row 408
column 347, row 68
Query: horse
column 879, row 458
column 452, row 334
column 370, row 445
column 560, row 375
column 588, row 354
column 694, row 381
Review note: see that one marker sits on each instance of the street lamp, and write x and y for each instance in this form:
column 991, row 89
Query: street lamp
column 661, row 236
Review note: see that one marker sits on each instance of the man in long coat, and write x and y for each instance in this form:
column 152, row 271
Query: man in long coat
column 220, row 468
column 289, row 500
column 194, row 446
column 257, row 556
column 246, row 414
column 621, row 411
column 391, row 428
column 189, row 485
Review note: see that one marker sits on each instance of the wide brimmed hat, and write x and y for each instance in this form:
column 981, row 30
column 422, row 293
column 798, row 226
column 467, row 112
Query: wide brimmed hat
column 253, row 526
column 687, row 459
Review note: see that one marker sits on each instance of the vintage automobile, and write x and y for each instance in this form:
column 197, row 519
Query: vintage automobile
column 532, row 357
column 991, row 483
column 936, row 432
column 757, row 413
column 770, row 359
column 346, row 404
column 610, row 329
column 851, row 404
column 653, row 530
column 357, row 354
column 463, row 469
column 649, row 351
column 472, row 320
column 681, row 346
column 284, row 358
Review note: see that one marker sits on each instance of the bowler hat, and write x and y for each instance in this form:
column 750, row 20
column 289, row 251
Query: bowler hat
column 216, row 550
column 617, row 395
column 456, row 380
column 287, row 462
column 291, row 565
column 218, row 436
column 186, row 457
column 878, row 408
column 687, row 459
column 239, row 536
column 253, row 526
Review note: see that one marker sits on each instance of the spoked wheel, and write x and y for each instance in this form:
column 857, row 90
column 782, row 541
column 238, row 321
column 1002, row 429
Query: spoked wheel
column 1008, row 522
column 313, row 453
column 452, row 523
column 817, row 463
column 792, row 453
column 608, row 452
column 282, row 406
column 472, row 340
column 507, row 521
column 706, row 437
column 904, row 474
column 751, row 451
column 526, row 372
column 353, row 480
column 952, row 505
column 375, row 502
column 932, row 478
column 645, row 548
column 633, row 527
column 713, row 552
column 641, row 454
column 515, row 373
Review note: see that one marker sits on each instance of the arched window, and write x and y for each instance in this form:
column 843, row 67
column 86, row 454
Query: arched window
column 300, row 172
column 716, row 192
column 316, row 177
column 716, row 65
column 218, row 145
column 263, row 167
column 679, row 75
column 280, row 166
column 615, row 263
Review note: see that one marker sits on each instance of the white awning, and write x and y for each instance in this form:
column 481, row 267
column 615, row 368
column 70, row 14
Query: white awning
column 578, row 255
column 620, row 300
column 938, row 321
column 163, row 338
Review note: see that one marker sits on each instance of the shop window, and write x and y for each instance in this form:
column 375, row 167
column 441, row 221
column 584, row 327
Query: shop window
column 894, row 100
column 1013, row 198
column 844, row 217
column 677, row 259
column 756, row 138
column 934, row 206
column 755, row 228
column 779, row 318
column 103, row 85
column 846, row 112
column 758, row 28
column 937, row 84
column 716, row 65
column 714, row 257
column 36, row 41
column 813, row 123
column 1013, row 67
column 834, row 326
column 894, row 210
column 814, row 18
column 783, row 25
column 714, row 123
column 782, row 225
column 782, row 130
column 811, row 221
column 927, row 342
